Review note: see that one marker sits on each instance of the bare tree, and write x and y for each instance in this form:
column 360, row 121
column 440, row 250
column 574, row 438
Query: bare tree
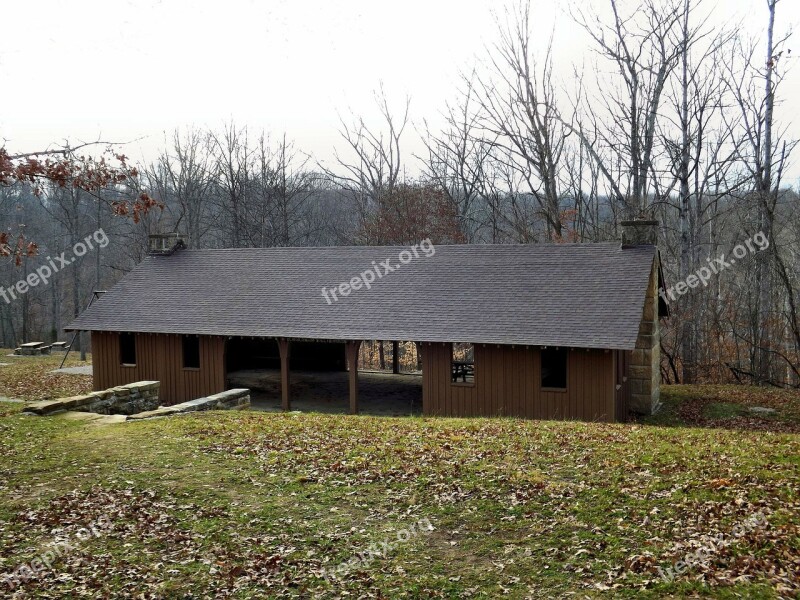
column 519, row 107
column 700, row 156
column 189, row 169
column 460, row 161
column 233, row 172
column 763, row 155
column 286, row 185
column 371, row 168
column 645, row 48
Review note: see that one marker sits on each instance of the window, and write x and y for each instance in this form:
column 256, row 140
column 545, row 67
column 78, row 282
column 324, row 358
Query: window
column 554, row 368
column 191, row 352
column 127, row 349
column 462, row 363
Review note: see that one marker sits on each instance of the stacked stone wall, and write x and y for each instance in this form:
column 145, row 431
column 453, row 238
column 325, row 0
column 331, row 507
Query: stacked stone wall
column 645, row 367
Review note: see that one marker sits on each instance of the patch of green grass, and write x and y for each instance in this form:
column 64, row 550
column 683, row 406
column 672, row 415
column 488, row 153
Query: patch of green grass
column 723, row 410
column 255, row 505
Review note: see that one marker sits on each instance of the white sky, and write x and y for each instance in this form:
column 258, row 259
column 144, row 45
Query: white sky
column 124, row 70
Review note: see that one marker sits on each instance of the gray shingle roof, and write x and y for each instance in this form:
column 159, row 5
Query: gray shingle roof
column 575, row 295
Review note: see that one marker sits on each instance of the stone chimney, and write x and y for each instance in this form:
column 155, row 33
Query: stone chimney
column 161, row 244
column 639, row 233
column 644, row 376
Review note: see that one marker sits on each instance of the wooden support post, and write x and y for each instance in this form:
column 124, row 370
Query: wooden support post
column 352, row 363
column 395, row 357
column 283, row 348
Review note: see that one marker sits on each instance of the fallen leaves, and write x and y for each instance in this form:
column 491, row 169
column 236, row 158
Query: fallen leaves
column 225, row 505
column 29, row 378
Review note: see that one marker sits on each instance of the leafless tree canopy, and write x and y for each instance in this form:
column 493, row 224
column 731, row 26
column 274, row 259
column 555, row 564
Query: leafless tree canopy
column 670, row 118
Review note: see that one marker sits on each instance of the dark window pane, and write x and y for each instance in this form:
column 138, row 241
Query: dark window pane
column 462, row 363
column 191, row 352
column 127, row 348
column 554, row 368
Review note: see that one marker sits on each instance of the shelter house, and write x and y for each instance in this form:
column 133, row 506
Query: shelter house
column 543, row 331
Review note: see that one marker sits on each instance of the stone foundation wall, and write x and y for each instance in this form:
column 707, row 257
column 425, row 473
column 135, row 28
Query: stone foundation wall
column 139, row 401
column 122, row 400
column 645, row 368
column 237, row 399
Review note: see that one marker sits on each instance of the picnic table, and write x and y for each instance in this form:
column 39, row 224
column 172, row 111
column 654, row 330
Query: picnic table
column 463, row 370
column 32, row 349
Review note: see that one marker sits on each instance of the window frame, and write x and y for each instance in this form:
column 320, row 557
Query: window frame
column 544, row 388
column 474, row 367
column 122, row 353
column 196, row 340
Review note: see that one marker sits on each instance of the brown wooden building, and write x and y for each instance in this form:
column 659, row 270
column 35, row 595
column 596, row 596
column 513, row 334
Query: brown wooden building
column 564, row 331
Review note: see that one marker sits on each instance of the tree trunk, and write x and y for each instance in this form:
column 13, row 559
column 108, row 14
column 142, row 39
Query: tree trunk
column 764, row 193
column 688, row 358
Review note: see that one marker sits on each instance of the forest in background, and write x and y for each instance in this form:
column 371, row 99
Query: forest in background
column 677, row 123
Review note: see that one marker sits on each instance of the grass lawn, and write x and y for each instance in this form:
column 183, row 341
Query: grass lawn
column 29, row 378
column 256, row 505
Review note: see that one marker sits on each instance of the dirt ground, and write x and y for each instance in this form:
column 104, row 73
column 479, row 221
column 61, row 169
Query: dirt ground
column 382, row 394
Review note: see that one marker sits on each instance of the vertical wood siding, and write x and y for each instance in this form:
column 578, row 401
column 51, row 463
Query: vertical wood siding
column 508, row 383
column 622, row 363
column 159, row 357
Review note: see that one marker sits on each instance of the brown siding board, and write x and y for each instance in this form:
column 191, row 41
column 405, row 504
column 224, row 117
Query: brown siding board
column 444, row 380
column 595, row 389
column 575, row 378
column 437, row 395
column 519, row 382
column 426, row 375
column 159, row 358
column 591, row 385
column 598, row 390
column 430, row 363
column 530, row 399
column 583, row 409
column 513, row 377
column 602, row 392
column 507, row 379
column 438, row 398
column 482, row 375
column 496, row 370
column 582, row 405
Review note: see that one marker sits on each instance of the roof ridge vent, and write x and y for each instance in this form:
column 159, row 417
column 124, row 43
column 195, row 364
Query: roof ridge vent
column 164, row 244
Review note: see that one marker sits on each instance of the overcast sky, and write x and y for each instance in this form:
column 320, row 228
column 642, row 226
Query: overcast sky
column 125, row 70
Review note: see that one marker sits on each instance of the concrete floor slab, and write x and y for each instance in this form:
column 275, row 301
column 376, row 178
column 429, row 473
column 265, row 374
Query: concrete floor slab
column 86, row 370
column 379, row 394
